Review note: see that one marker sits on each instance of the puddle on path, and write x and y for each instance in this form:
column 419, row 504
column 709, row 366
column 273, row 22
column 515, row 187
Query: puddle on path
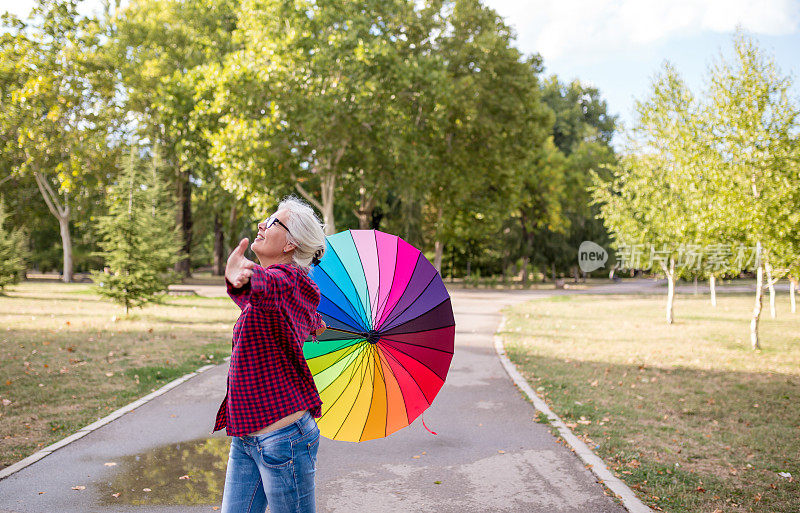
column 160, row 470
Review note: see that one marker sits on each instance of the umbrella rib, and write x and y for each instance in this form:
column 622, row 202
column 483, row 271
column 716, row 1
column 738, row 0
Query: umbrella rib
column 418, row 360
column 414, row 379
column 345, row 313
column 417, row 345
column 391, row 356
column 363, row 273
column 401, row 296
column 333, row 351
column 360, row 360
column 359, row 306
column 413, row 332
column 365, row 365
column 382, row 304
column 372, row 396
column 341, row 357
column 392, row 328
column 410, row 304
column 340, row 289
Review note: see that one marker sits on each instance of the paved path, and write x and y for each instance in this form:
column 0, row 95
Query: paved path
column 488, row 456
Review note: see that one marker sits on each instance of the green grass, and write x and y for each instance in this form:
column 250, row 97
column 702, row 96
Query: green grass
column 686, row 414
column 68, row 358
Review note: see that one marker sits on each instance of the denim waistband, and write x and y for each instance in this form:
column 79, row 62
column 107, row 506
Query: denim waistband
column 304, row 425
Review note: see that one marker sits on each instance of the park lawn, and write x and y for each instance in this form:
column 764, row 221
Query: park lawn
column 68, row 357
column 687, row 415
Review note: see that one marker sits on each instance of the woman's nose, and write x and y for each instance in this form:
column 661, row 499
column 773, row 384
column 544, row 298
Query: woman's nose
column 262, row 225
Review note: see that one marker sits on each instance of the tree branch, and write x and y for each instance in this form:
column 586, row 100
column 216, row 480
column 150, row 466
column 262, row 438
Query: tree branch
column 304, row 193
column 49, row 196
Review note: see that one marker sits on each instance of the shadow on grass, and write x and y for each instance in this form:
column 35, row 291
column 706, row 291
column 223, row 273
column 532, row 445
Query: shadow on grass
column 685, row 439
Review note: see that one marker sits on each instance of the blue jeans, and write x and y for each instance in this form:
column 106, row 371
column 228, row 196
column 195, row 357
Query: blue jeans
column 276, row 469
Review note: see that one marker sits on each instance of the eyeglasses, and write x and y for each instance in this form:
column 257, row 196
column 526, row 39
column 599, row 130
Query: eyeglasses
column 273, row 219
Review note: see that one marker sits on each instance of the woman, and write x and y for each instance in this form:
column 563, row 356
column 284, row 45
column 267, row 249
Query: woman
column 272, row 401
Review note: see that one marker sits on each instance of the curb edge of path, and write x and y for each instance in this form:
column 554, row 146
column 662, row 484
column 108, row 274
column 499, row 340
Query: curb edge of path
column 592, row 461
column 33, row 458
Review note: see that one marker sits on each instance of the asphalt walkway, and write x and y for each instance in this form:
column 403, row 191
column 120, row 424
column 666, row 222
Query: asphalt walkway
column 488, row 455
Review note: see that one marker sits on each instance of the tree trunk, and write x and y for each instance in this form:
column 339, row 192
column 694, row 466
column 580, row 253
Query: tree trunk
column 792, row 289
column 670, row 290
column 754, row 343
column 771, row 286
column 364, row 213
column 62, row 214
column 66, row 242
column 524, row 270
column 712, row 283
column 218, row 269
column 232, row 242
column 437, row 257
column 696, row 291
column 553, row 267
column 184, row 265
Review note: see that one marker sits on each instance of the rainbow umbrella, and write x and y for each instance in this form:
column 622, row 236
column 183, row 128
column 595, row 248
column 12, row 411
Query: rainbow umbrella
column 390, row 335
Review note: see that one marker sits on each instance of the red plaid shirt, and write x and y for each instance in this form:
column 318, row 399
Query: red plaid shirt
column 268, row 377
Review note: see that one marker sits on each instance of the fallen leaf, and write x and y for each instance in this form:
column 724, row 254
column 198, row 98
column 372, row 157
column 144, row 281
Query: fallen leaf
column 416, row 457
column 184, row 477
column 79, row 487
column 42, row 493
column 571, row 425
column 701, row 489
column 785, row 475
column 115, row 494
column 8, row 382
column 593, row 383
column 501, row 451
column 146, row 490
column 109, row 374
column 6, row 402
column 215, row 508
column 437, row 482
column 109, row 463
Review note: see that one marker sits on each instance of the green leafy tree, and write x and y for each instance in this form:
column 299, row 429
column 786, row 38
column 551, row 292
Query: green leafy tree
column 751, row 126
column 478, row 139
column 56, row 89
column 647, row 200
column 12, row 251
column 139, row 239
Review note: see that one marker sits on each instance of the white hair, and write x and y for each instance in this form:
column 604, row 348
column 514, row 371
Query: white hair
column 306, row 231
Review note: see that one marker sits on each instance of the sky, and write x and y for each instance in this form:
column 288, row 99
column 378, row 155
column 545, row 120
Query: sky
column 618, row 45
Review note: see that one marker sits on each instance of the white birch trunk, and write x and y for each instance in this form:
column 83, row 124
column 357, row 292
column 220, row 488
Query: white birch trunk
column 670, row 290
column 792, row 288
column 754, row 343
column 712, row 283
column 771, row 286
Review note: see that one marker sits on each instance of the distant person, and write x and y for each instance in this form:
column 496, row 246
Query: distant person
column 272, row 401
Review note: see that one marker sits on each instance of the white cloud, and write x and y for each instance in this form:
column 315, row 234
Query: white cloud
column 570, row 29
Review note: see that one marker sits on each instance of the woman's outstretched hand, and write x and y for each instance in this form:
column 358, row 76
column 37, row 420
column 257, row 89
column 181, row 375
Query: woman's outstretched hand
column 239, row 268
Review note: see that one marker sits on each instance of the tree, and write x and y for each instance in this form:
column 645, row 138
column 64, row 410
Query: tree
column 751, row 127
column 139, row 239
column 12, row 251
column 56, row 89
column 317, row 101
column 478, row 139
column 648, row 200
column 164, row 48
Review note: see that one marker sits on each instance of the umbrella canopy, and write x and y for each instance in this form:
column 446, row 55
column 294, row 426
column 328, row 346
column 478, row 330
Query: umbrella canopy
column 390, row 335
